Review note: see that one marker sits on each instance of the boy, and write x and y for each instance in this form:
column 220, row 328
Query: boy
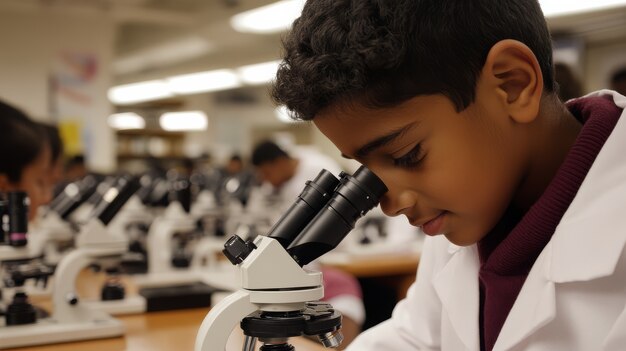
column 453, row 104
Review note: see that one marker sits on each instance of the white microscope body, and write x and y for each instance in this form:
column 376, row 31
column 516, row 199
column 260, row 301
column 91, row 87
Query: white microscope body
column 161, row 272
column 212, row 217
column 270, row 281
column 46, row 236
column 10, row 253
column 42, row 242
column 133, row 212
column 73, row 320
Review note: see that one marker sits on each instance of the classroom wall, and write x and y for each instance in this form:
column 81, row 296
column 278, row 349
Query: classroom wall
column 602, row 59
column 36, row 46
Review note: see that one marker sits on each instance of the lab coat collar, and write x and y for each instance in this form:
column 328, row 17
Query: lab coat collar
column 457, row 287
column 587, row 229
column 588, row 226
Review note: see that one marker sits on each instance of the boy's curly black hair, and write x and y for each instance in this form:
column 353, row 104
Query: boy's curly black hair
column 380, row 53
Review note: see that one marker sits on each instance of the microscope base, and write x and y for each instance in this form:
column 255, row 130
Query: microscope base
column 49, row 331
column 129, row 305
column 177, row 297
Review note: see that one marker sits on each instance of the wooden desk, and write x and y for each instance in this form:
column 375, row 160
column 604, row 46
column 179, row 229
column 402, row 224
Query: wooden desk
column 159, row 331
column 176, row 330
column 155, row 331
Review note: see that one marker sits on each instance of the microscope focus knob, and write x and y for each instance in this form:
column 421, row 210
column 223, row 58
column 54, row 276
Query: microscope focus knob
column 72, row 299
column 236, row 249
column 331, row 340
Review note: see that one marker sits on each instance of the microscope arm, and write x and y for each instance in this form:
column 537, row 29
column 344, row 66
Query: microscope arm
column 93, row 243
column 217, row 326
column 162, row 230
column 64, row 284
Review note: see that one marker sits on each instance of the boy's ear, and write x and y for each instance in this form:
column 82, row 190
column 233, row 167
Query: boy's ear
column 512, row 70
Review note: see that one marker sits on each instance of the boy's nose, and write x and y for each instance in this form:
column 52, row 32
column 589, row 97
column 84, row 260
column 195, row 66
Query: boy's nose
column 392, row 204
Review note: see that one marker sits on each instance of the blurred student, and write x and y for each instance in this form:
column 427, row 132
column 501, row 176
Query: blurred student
column 24, row 157
column 234, row 165
column 236, row 181
column 287, row 173
column 56, row 166
column 569, row 86
column 618, row 81
column 75, row 168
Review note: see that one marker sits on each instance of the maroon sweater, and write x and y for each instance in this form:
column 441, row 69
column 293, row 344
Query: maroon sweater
column 507, row 255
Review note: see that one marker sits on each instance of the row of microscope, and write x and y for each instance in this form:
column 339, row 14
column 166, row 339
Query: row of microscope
column 164, row 233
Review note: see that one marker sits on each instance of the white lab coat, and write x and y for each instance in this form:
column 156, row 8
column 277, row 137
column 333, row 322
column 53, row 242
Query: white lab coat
column 573, row 299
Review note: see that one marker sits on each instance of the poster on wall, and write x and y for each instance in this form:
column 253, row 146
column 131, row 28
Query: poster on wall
column 72, row 98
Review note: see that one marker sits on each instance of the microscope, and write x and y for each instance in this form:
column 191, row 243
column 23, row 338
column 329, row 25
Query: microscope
column 278, row 298
column 167, row 231
column 48, row 239
column 84, row 211
column 16, row 252
column 72, row 319
column 132, row 221
column 135, row 219
column 170, row 282
column 55, row 231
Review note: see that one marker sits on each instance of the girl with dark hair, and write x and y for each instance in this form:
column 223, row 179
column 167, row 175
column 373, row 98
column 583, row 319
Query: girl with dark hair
column 24, row 157
column 56, row 165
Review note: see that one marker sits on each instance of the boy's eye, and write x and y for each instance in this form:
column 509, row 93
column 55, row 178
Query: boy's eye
column 410, row 159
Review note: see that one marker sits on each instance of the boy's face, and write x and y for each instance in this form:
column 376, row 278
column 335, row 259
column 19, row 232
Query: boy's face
column 450, row 173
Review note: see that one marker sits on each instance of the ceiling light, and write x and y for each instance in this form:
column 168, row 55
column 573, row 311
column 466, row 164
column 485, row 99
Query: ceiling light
column 126, row 120
column 184, row 121
column 553, row 8
column 204, row 81
column 168, row 53
column 139, row 92
column 271, row 18
column 260, row 73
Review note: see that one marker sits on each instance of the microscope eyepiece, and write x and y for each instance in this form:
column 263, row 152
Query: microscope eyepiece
column 354, row 197
column 73, row 195
column 101, row 189
column 18, row 204
column 180, row 190
column 321, row 216
column 3, row 212
column 315, row 195
column 115, row 198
